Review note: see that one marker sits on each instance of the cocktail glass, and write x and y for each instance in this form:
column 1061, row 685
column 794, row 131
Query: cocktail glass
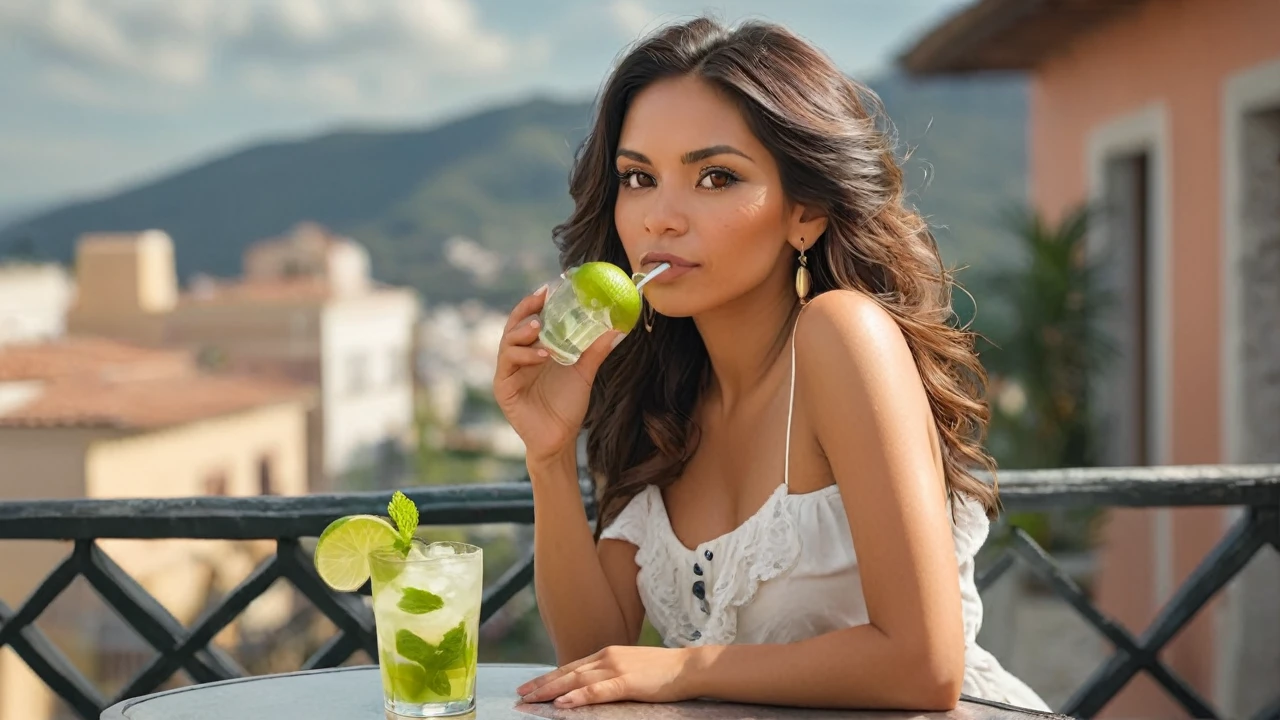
column 426, row 606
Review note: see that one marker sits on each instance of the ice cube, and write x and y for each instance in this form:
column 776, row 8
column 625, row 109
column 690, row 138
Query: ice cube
column 418, row 550
column 440, row 549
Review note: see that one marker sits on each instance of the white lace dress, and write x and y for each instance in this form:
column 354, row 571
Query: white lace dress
column 786, row 574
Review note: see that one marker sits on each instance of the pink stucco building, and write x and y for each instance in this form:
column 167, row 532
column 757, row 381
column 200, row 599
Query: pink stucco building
column 1166, row 114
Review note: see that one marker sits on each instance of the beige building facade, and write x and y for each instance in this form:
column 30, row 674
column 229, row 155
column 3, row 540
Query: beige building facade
column 306, row 310
column 88, row 418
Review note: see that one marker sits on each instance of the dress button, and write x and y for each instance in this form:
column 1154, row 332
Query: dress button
column 699, row 590
column 697, row 569
column 707, row 554
column 696, row 634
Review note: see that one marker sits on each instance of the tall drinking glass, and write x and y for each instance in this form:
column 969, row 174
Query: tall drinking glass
column 427, row 610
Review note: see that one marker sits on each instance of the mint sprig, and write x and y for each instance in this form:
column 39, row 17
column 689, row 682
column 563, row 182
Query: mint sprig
column 419, row 602
column 404, row 514
column 452, row 653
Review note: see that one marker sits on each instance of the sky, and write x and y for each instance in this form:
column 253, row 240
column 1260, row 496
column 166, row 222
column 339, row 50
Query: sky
column 102, row 94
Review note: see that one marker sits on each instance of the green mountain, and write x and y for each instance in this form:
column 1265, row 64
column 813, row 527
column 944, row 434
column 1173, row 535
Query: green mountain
column 499, row 177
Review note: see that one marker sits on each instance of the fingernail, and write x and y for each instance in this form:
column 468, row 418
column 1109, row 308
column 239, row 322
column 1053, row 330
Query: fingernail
column 534, row 322
column 618, row 340
column 543, row 353
column 541, row 289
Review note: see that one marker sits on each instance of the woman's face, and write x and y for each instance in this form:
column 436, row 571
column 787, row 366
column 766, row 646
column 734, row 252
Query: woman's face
column 699, row 190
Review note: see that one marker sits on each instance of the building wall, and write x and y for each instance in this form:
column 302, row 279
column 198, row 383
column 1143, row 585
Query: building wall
column 33, row 302
column 252, row 337
column 1171, row 58
column 312, row 251
column 278, row 338
column 300, row 253
column 37, row 464
column 1250, row 641
column 126, row 284
column 367, row 387
column 214, row 456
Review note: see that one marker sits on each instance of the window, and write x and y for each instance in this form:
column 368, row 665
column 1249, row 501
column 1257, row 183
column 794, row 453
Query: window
column 215, row 484
column 266, row 479
column 211, row 357
column 397, row 367
column 1128, row 275
column 357, row 374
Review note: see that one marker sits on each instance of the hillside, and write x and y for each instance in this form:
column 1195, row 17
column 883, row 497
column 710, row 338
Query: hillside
column 499, row 177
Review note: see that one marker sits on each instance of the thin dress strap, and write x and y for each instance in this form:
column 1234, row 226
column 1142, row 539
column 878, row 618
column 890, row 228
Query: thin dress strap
column 791, row 403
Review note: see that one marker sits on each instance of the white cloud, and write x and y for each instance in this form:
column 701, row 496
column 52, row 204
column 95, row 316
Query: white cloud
column 117, row 36
column 632, row 17
column 308, row 20
column 72, row 84
column 353, row 53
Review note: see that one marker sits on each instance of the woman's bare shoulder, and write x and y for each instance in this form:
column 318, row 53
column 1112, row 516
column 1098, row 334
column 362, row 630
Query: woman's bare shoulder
column 847, row 329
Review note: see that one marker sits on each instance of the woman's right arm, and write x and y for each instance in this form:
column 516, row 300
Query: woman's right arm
column 587, row 598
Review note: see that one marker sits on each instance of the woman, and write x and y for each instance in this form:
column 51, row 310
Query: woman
column 795, row 391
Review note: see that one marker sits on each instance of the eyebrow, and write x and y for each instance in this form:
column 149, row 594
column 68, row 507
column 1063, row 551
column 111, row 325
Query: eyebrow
column 692, row 156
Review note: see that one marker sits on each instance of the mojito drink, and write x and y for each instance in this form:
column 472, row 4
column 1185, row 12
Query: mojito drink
column 426, row 606
column 591, row 300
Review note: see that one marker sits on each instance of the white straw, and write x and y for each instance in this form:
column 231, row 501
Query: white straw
column 652, row 274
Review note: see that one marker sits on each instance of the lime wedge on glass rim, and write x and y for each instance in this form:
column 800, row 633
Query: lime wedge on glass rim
column 342, row 552
column 602, row 285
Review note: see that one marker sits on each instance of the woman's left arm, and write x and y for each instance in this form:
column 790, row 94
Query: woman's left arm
column 864, row 396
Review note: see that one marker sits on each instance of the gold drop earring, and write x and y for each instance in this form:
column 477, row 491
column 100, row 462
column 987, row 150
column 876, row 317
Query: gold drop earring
column 803, row 282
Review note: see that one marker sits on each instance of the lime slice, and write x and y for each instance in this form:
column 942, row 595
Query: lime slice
column 602, row 285
column 342, row 552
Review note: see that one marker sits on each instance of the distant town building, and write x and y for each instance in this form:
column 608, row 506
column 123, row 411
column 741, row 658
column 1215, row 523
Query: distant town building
column 306, row 309
column 457, row 355
column 126, row 286
column 93, row 418
column 34, row 299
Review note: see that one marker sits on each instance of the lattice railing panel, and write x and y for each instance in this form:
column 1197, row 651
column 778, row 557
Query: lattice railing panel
column 285, row 519
column 1259, row 528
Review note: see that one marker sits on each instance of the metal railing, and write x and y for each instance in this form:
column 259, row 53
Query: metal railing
column 286, row 520
column 1256, row 488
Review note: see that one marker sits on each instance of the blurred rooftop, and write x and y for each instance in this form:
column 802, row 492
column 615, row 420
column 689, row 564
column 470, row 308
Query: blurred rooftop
column 92, row 382
column 1010, row 35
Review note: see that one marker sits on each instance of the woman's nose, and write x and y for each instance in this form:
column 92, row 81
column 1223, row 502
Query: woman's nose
column 667, row 214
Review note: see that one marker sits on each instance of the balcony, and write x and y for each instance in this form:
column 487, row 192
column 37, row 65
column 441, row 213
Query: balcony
column 288, row 523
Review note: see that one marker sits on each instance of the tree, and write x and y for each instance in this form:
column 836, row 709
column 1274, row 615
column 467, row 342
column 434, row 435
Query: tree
column 1053, row 344
column 1042, row 359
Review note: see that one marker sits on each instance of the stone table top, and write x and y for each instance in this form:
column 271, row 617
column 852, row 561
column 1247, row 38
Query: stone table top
column 356, row 694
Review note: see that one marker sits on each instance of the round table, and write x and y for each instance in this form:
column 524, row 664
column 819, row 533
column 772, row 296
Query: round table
column 356, row 694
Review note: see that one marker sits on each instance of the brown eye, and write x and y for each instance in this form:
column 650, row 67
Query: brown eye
column 636, row 180
column 717, row 180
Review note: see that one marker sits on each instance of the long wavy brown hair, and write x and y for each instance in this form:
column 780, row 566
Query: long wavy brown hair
column 830, row 139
